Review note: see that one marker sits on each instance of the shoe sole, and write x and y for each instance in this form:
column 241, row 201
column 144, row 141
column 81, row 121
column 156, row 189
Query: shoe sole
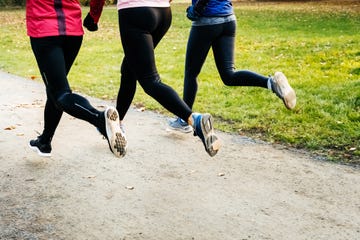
column 288, row 94
column 212, row 143
column 116, row 139
column 37, row 150
column 182, row 130
column 187, row 129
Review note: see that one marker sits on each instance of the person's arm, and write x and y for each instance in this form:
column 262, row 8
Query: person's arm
column 96, row 7
column 194, row 12
column 200, row 5
column 92, row 18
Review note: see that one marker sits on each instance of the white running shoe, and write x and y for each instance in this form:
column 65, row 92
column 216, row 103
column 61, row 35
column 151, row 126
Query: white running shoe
column 114, row 135
column 203, row 128
column 281, row 87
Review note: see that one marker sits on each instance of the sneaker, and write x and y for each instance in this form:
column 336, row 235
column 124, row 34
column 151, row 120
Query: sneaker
column 43, row 149
column 203, row 128
column 281, row 87
column 122, row 128
column 180, row 125
column 115, row 137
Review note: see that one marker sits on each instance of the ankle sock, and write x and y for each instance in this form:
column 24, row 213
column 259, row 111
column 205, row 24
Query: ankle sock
column 269, row 83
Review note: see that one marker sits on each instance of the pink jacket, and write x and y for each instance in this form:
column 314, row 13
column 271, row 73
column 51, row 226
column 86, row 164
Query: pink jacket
column 58, row 17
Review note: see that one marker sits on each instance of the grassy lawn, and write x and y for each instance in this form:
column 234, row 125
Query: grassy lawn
column 316, row 45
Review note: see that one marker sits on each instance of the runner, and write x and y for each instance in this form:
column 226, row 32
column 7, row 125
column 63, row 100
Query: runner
column 214, row 26
column 143, row 23
column 56, row 33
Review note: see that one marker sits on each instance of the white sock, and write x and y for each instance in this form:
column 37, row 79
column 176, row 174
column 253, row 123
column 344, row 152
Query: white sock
column 269, row 83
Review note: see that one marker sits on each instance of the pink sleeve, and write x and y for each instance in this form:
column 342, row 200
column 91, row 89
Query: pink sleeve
column 96, row 7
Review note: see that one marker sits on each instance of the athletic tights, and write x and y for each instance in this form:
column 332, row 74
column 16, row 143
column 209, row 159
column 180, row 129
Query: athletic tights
column 141, row 29
column 55, row 56
column 221, row 38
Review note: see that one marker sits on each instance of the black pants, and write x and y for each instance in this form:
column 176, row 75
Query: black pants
column 221, row 38
column 55, row 56
column 141, row 29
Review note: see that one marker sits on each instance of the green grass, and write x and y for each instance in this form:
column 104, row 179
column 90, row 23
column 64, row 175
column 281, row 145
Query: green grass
column 316, row 46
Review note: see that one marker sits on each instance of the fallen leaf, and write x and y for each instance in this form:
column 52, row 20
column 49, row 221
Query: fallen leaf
column 10, row 128
column 142, row 109
column 90, row 176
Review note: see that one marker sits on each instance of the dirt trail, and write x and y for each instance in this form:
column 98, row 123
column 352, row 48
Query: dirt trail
column 166, row 187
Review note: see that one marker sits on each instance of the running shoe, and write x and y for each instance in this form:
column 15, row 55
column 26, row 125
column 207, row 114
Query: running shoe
column 180, row 125
column 114, row 135
column 43, row 149
column 203, row 128
column 281, row 87
column 122, row 128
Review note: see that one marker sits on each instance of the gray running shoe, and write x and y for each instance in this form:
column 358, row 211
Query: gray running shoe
column 180, row 125
column 203, row 128
column 114, row 135
column 281, row 87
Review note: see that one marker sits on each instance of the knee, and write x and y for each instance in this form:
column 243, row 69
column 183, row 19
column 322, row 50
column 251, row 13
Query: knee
column 62, row 100
column 227, row 82
column 150, row 84
column 227, row 78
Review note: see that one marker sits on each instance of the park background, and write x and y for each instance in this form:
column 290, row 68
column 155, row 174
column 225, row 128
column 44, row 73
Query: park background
column 315, row 43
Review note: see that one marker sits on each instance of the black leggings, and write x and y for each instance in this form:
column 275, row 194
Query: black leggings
column 55, row 56
column 221, row 38
column 141, row 29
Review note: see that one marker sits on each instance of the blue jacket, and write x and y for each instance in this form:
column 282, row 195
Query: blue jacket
column 213, row 8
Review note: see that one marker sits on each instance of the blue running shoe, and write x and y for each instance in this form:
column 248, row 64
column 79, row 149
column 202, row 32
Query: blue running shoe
column 180, row 125
column 203, row 128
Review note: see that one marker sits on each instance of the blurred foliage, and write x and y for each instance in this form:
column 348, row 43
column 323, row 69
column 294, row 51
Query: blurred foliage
column 87, row 2
column 11, row 3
